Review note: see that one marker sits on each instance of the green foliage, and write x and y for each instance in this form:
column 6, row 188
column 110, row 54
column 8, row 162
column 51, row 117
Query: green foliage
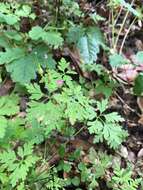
column 139, row 56
column 122, row 179
column 51, row 38
column 3, row 126
column 116, row 60
column 35, row 91
column 138, row 83
column 51, row 181
column 138, row 88
column 8, row 107
column 127, row 6
column 50, row 101
column 77, row 106
column 106, row 126
column 23, row 70
column 49, row 115
column 99, row 162
column 11, row 55
column 88, row 43
column 17, row 165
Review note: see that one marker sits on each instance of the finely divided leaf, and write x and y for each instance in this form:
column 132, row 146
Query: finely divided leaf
column 35, row 91
column 9, row 105
column 3, row 126
column 102, row 105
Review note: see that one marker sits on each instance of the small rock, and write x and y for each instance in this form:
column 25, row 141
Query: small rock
column 140, row 153
column 131, row 156
column 124, row 152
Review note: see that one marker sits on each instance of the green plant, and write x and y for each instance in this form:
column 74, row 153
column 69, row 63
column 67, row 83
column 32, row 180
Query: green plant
column 16, row 166
column 117, row 7
column 122, row 179
column 106, row 127
column 59, row 91
column 99, row 163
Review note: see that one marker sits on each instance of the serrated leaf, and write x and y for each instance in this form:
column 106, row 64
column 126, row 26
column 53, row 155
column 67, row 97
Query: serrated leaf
column 3, row 126
column 18, row 167
column 53, row 38
column 28, row 148
column 117, row 60
column 138, row 84
column 75, row 33
column 23, row 70
column 24, row 11
column 36, row 33
column 35, row 91
column 130, row 8
column 9, row 105
column 113, row 117
column 139, row 56
column 111, row 132
column 9, row 19
column 12, row 34
column 95, row 127
column 7, row 158
column 11, row 55
column 42, row 57
column 102, row 106
column 50, row 115
column 89, row 45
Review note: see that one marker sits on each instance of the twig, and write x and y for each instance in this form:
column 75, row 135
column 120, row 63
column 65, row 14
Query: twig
column 128, row 107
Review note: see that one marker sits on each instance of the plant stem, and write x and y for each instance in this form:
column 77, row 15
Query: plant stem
column 127, row 32
column 114, row 22
column 113, row 28
column 122, row 26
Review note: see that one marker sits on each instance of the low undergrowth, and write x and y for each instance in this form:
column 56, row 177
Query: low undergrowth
column 61, row 63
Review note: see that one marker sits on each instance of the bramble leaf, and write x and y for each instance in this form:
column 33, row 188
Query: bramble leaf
column 89, row 45
column 23, row 69
column 117, row 60
column 50, row 37
column 36, row 33
column 11, row 55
